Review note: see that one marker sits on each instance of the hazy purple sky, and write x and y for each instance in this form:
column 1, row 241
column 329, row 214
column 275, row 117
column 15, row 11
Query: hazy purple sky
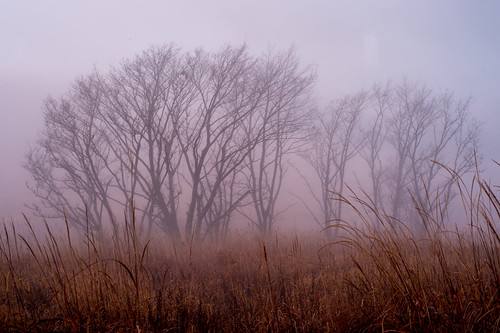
column 44, row 45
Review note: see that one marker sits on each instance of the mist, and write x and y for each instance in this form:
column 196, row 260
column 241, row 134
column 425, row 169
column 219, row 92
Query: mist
column 450, row 46
column 255, row 166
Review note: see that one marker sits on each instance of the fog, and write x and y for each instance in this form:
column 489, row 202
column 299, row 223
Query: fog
column 46, row 45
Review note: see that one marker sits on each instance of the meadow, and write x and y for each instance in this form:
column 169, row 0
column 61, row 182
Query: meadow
column 376, row 274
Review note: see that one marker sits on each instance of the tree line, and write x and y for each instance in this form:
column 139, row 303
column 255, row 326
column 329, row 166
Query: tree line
column 173, row 139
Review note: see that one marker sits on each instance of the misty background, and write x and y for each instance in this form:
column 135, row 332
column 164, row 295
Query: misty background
column 450, row 45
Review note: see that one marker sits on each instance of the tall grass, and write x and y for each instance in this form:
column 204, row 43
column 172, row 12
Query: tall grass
column 384, row 278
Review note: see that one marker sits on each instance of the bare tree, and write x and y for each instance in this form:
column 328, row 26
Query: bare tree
column 111, row 144
column 375, row 136
column 69, row 162
column 157, row 125
column 213, row 131
column 423, row 130
column 145, row 97
column 229, row 198
column 210, row 137
column 279, row 124
column 335, row 139
column 410, row 133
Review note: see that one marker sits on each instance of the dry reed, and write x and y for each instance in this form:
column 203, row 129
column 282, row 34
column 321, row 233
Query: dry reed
column 384, row 278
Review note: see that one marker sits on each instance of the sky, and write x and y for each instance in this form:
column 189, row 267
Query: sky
column 45, row 45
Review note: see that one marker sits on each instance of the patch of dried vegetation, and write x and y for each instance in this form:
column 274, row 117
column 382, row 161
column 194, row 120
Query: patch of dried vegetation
column 368, row 279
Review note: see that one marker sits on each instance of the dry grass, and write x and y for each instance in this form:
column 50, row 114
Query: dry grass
column 370, row 279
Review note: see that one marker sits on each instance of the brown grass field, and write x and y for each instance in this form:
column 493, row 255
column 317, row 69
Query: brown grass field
column 368, row 280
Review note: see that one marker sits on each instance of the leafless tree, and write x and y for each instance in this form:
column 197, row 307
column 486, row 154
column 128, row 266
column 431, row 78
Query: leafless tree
column 335, row 139
column 410, row 133
column 203, row 134
column 229, row 198
column 111, row 144
column 375, row 136
column 425, row 130
column 69, row 162
column 279, row 123
column 210, row 133
column 145, row 97
column 161, row 124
